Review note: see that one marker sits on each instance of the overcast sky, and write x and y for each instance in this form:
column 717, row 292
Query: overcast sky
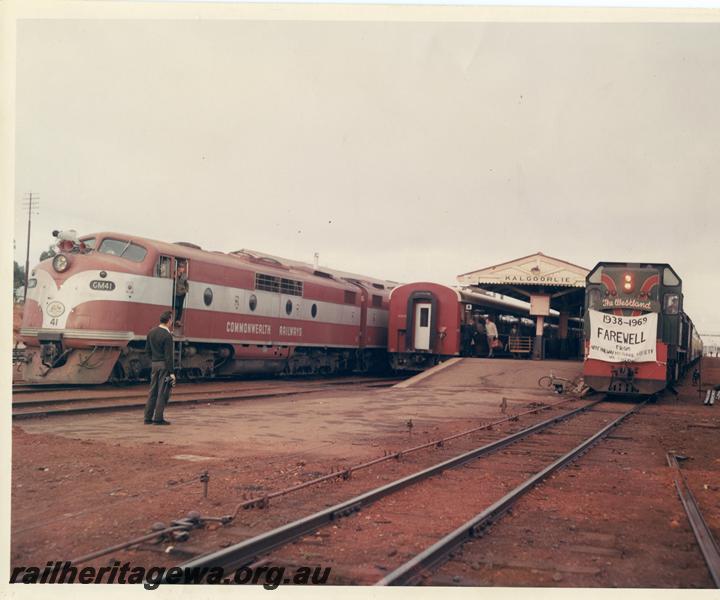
column 409, row 151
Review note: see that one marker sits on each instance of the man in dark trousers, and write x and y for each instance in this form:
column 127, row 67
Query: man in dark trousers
column 181, row 289
column 159, row 346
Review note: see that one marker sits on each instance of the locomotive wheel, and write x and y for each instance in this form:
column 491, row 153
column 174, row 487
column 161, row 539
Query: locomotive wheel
column 118, row 375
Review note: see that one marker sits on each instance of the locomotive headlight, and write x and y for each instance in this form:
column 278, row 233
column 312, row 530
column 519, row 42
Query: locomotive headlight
column 60, row 263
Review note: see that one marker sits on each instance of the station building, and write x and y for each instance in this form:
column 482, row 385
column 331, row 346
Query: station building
column 555, row 290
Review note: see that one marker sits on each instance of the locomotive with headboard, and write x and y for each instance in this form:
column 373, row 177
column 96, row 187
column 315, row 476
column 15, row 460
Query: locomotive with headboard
column 638, row 338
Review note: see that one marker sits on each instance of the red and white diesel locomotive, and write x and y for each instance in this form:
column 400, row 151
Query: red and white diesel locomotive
column 90, row 307
column 638, row 339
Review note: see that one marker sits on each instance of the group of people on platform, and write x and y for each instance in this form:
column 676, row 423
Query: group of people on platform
column 480, row 338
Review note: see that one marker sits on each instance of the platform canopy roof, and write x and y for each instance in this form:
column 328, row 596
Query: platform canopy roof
column 532, row 275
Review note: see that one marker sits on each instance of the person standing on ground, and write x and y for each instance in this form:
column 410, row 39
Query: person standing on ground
column 492, row 335
column 181, row 289
column 159, row 346
column 480, row 335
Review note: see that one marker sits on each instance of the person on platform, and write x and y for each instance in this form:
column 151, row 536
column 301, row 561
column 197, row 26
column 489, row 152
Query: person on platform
column 492, row 336
column 480, row 336
column 159, row 346
column 181, row 289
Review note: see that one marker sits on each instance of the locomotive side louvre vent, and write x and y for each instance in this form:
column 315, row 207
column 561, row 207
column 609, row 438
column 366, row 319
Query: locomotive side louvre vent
column 270, row 283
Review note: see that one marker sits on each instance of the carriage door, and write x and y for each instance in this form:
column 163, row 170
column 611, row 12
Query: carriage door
column 421, row 339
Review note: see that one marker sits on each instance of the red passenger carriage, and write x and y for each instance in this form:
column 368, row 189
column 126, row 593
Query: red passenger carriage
column 427, row 321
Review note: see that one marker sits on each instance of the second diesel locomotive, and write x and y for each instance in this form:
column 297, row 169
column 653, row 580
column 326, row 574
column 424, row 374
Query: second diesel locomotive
column 90, row 307
column 638, row 339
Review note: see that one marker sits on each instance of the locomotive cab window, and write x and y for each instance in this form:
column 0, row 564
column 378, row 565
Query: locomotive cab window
column 669, row 278
column 671, row 304
column 89, row 243
column 596, row 276
column 123, row 248
column 594, row 298
column 424, row 317
column 163, row 267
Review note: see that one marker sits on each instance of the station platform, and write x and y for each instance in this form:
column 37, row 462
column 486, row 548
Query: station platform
column 335, row 423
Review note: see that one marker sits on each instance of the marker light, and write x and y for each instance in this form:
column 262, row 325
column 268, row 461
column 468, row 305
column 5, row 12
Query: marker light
column 628, row 283
column 60, row 263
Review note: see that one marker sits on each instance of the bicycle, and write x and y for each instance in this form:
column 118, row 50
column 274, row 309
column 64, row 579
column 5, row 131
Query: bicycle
column 559, row 384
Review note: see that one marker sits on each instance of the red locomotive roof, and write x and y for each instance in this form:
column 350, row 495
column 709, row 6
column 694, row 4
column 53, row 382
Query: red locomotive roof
column 254, row 260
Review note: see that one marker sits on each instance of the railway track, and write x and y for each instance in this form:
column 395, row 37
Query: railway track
column 462, row 481
column 85, row 401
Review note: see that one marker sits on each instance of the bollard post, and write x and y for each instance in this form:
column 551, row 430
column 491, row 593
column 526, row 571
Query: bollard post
column 205, row 478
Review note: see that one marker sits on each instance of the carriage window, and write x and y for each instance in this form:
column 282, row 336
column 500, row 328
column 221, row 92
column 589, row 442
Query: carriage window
column 123, row 248
column 350, row 297
column 377, row 301
column 424, row 317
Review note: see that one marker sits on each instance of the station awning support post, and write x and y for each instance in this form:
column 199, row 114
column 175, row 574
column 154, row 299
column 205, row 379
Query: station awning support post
column 538, row 346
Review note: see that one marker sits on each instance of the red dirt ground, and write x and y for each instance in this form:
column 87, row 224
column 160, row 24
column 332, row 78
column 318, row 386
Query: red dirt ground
column 85, row 483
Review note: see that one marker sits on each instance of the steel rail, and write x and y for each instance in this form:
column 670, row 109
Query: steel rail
column 29, row 388
column 346, row 473
column 121, row 407
column 410, row 571
column 245, row 552
column 703, row 534
column 183, row 390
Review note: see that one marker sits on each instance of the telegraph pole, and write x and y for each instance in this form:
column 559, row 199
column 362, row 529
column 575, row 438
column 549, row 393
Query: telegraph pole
column 31, row 204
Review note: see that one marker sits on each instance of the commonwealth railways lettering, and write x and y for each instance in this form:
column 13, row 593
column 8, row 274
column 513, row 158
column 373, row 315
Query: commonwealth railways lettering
column 254, row 328
column 262, row 329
